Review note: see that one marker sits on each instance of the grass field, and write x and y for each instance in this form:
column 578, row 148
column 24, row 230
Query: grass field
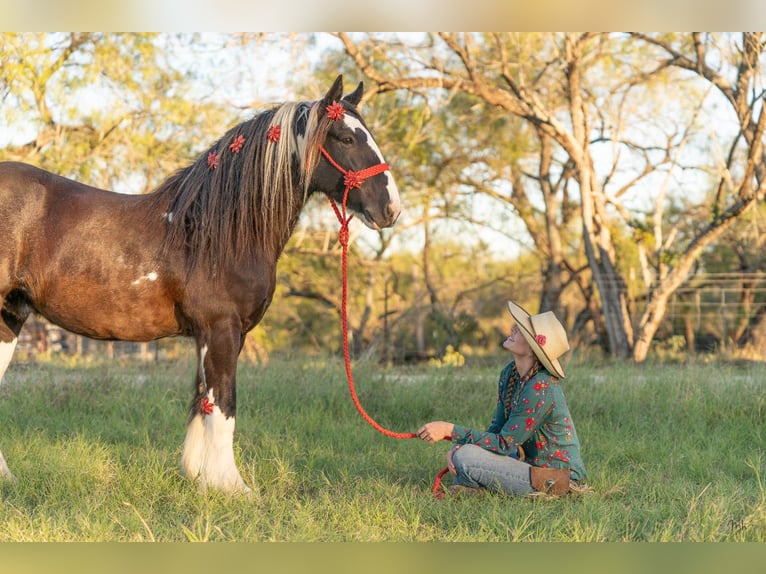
column 674, row 453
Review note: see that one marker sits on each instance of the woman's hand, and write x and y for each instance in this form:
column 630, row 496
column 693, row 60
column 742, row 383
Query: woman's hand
column 450, row 464
column 435, row 431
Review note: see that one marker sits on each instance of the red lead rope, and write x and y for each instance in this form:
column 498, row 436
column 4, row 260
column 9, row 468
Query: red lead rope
column 354, row 179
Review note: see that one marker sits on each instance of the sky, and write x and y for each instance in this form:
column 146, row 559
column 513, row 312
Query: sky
column 400, row 15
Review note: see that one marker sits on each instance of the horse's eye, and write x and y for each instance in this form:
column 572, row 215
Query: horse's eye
column 348, row 140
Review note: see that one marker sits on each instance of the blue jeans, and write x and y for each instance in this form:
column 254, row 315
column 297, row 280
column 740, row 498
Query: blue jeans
column 480, row 468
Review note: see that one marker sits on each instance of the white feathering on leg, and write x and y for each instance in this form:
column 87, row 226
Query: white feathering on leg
column 209, row 451
column 6, row 353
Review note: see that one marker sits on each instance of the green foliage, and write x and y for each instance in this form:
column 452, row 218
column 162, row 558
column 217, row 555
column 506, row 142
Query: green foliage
column 673, row 453
column 119, row 111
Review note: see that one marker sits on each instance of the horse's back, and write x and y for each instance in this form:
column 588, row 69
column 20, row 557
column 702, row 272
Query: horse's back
column 28, row 193
column 20, row 184
column 25, row 181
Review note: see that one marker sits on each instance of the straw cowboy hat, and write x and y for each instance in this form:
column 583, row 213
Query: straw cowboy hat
column 545, row 334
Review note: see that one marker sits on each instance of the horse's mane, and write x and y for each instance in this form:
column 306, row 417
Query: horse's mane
column 249, row 203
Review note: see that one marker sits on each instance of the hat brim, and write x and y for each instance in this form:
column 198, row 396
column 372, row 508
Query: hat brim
column 525, row 326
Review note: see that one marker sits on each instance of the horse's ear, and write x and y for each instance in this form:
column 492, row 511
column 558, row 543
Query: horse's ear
column 334, row 94
column 356, row 96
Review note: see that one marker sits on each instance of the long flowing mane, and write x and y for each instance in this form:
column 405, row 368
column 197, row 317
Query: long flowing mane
column 242, row 196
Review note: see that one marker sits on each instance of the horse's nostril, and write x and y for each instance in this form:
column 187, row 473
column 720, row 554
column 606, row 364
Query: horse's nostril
column 392, row 212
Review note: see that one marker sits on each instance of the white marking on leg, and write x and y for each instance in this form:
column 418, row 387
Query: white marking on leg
column 152, row 276
column 202, row 376
column 209, row 451
column 6, row 354
column 219, row 469
column 193, row 456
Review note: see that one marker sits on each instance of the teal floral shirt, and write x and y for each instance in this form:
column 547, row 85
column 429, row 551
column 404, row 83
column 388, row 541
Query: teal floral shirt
column 539, row 420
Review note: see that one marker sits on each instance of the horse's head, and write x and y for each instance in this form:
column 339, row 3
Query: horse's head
column 350, row 147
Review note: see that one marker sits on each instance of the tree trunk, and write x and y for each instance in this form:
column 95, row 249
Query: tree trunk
column 553, row 282
column 597, row 238
column 420, row 341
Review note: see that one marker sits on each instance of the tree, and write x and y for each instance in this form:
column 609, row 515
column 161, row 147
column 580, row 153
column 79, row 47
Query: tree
column 735, row 70
column 580, row 91
column 120, row 111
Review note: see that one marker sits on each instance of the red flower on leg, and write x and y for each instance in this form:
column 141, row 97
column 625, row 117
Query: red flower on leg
column 206, row 406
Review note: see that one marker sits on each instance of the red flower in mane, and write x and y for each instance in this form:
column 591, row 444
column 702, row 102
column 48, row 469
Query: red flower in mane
column 213, row 159
column 237, row 144
column 274, row 133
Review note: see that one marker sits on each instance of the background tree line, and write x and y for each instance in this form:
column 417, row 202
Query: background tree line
column 603, row 176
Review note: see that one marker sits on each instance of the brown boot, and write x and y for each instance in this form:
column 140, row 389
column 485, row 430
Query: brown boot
column 550, row 480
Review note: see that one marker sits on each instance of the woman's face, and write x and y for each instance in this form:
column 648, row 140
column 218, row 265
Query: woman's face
column 516, row 343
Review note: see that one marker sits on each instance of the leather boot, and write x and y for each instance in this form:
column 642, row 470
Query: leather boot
column 550, row 480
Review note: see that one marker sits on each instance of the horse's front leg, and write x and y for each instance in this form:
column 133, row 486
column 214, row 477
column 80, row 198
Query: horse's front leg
column 208, row 454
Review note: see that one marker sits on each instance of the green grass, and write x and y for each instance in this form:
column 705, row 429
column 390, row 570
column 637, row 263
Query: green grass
column 674, row 453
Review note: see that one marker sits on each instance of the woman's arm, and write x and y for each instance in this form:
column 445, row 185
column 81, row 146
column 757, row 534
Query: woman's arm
column 535, row 402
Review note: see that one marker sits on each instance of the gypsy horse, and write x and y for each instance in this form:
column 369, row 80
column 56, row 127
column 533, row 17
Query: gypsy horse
column 197, row 257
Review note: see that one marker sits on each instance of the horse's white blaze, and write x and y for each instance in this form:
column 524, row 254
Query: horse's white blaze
column 6, row 353
column 393, row 190
column 152, row 276
column 354, row 124
column 209, row 451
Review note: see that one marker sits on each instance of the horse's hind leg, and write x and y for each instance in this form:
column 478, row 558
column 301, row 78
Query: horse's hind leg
column 13, row 312
column 6, row 353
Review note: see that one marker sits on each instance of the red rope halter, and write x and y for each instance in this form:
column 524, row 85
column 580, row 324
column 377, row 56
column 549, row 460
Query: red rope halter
column 353, row 179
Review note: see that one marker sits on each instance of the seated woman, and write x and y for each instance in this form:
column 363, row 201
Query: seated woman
column 531, row 444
